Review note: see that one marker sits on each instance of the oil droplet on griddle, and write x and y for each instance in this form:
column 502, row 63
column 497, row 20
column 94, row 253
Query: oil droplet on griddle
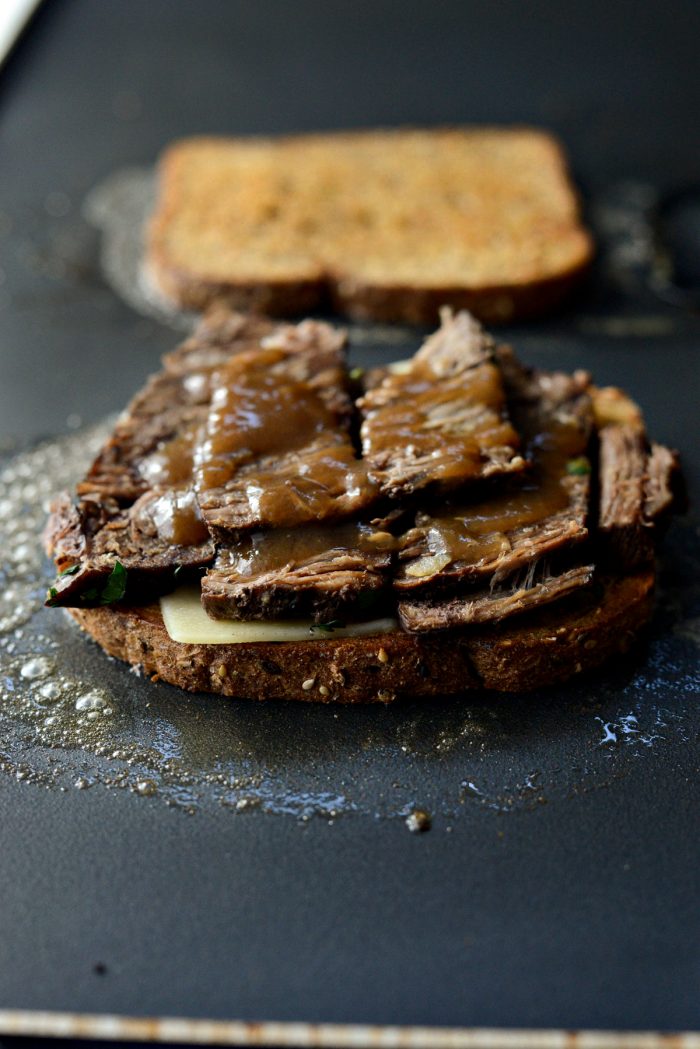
column 91, row 701
column 49, row 691
column 35, row 668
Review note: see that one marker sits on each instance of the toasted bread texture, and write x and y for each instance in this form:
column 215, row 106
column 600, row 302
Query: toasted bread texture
column 531, row 652
column 384, row 225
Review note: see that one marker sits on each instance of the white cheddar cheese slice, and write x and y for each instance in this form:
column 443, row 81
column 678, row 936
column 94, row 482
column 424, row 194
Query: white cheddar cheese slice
column 400, row 367
column 187, row 622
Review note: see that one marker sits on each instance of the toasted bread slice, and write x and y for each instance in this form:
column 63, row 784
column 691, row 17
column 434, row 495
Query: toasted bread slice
column 387, row 225
column 540, row 649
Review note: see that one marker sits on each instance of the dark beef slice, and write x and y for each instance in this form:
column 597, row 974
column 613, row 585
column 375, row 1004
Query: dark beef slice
column 625, row 534
column 172, row 404
column 277, row 451
column 163, row 411
column 441, row 423
column 317, row 571
column 527, row 517
column 663, row 485
column 71, row 527
column 92, row 537
column 219, row 334
column 135, row 504
column 491, row 606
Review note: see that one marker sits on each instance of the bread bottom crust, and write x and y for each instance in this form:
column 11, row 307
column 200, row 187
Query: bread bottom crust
column 541, row 649
column 382, row 303
column 269, row 298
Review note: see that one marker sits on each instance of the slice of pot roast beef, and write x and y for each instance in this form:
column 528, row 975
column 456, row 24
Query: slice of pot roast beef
column 136, row 505
column 524, row 518
column 440, row 422
column 320, row 571
column 638, row 490
column 663, row 486
column 219, row 334
column 536, row 589
column 276, row 451
column 153, row 438
column 88, row 539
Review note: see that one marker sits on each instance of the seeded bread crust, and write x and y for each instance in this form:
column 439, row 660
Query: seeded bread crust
column 540, row 649
column 320, row 272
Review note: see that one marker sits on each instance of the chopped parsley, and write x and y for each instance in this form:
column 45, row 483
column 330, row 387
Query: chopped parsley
column 578, row 467
column 115, row 587
column 109, row 592
column 330, row 626
column 70, row 571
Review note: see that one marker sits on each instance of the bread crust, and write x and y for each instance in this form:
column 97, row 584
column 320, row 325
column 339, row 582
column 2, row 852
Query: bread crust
column 499, row 304
column 384, row 301
column 270, row 298
column 387, row 304
column 539, row 649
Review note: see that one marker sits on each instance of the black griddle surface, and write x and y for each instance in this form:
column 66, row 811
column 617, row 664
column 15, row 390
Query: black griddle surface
column 561, row 888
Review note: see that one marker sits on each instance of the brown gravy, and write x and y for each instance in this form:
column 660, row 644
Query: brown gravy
column 272, row 551
column 174, row 516
column 254, row 414
column 330, row 484
column 275, row 448
column 479, row 532
column 172, row 462
column 449, row 423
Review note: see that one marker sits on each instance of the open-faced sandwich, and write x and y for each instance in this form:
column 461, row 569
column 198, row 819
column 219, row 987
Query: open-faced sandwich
column 264, row 523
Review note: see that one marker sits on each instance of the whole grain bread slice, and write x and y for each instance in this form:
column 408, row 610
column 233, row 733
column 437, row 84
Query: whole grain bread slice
column 542, row 648
column 387, row 224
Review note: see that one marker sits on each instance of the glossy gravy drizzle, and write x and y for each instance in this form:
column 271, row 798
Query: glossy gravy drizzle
column 172, row 462
column 441, row 421
column 480, row 532
column 173, row 512
column 176, row 517
column 262, row 552
column 255, row 415
column 455, row 420
column 276, row 448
